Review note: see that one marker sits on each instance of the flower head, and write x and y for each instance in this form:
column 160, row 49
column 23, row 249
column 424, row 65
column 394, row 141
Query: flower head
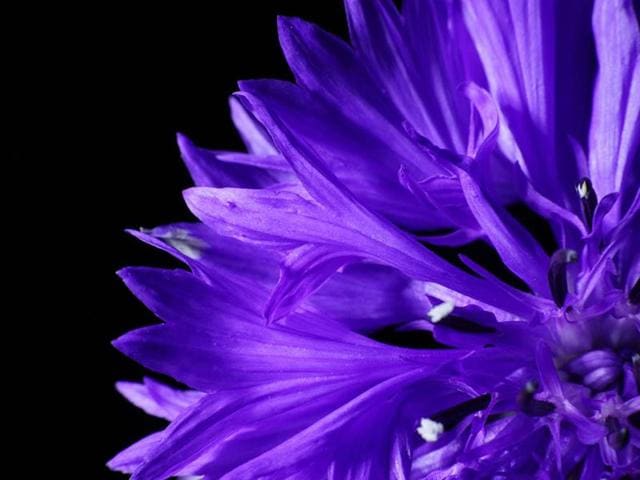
column 330, row 327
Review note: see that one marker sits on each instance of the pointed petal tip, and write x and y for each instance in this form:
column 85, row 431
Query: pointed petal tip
column 123, row 273
column 196, row 199
column 128, row 274
column 243, row 87
column 141, row 233
column 185, row 145
column 271, row 312
column 129, row 343
column 116, row 465
column 181, row 137
column 193, row 196
column 125, row 388
column 294, row 29
column 286, row 20
column 120, row 343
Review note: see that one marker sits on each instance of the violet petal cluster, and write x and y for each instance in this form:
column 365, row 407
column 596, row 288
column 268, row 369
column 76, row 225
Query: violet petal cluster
column 332, row 323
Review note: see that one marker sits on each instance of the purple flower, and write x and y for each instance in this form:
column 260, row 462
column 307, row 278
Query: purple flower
column 326, row 329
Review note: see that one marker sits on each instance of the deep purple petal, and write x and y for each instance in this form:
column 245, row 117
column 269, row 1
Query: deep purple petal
column 304, row 270
column 207, row 169
column 517, row 248
column 362, row 156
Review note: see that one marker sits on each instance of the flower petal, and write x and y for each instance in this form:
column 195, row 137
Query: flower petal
column 379, row 35
column 517, row 248
column 132, row 457
column 615, row 122
column 361, row 156
column 157, row 399
column 516, row 43
column 223, row 261
column 367, row 297
column 324, row 64
column 323, row 446
column 207, row 169
column 304, row 270
column 290, row 428
column 210, row 341
column 253, row 134
column 287, row 219
column 340, row 219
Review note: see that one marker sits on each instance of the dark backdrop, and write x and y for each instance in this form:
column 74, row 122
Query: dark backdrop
column 148, row 74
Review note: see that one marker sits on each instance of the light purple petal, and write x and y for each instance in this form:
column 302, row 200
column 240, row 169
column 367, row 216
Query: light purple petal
column 157, row 399
column 615, row 121
column 253, row 134
column 515, row 41
column 379, row 35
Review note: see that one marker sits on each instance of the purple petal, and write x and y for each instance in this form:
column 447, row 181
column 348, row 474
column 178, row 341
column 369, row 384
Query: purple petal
column 284, row 423
column 515, row 41
column 207, row 169
column 379, row 35
column 615, row 121
column 210, row 341
column 367, row 297
column 219, row 260
column 372, row 236
column 157, row 399
column 253, row 134
column 517, row 248
column 444, row 57
column 132, row 457
column 335, row 443
column 360, row 155
column 304, row 270
column 324, row 64
column 482, row 141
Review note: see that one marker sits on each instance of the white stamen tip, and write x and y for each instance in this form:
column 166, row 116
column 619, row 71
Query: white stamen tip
column 429, row 430
column 583, row 189
column 439, row 312
column 186, row 244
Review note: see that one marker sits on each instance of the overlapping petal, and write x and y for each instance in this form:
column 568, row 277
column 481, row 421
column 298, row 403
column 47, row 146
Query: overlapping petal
column 310, row 268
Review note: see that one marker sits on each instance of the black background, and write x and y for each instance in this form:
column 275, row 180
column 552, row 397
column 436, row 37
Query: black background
column 120, row 83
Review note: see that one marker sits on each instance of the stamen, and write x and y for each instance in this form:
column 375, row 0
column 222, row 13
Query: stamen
column 588, row 200
column 454, row 415
column 182, row 241
column 634, row 293
column 618, row 436
column 440, row 311
column 429, row 430
column 635, row 364
column 557, row 274
column 530, row 405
